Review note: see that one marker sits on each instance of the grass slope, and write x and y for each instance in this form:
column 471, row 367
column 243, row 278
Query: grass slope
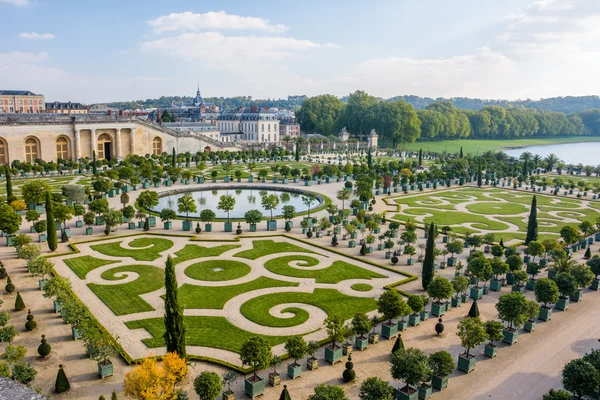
column 266, row 247
column 84, row 264
column 150, row 248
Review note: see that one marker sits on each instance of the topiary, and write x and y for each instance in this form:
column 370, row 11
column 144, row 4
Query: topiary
column 399, row 344
column 349, row 375
column 198, row 229
column 439, row 327
column 309, row 234
column 288, row 226
column 363, row 249
column 19, row 304
column 146, row 225
column 107, row 231
column 3, row 273
column 10, row 287
column 30, row 324
column 334, row 241
column 62, row 383
column 588, row 254
column 394, row 260
column 474, row 311
column 44, row 349
column 239, row 229
column 113, row 396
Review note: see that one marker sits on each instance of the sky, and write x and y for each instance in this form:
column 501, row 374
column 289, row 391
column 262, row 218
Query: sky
column 100, row 51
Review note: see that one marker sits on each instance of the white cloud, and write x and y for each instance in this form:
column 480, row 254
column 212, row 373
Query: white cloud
column 36, row 36
column 18, row 3
column 195, row 22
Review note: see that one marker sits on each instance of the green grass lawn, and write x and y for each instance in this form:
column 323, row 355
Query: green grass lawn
column 124, row 299
column 266, row 247
column 149, row 248
column 84, row 264
column 361, row 287
column 206, row 331
column 443, row 217
column 337, row 272
column 497, row 208
column 192, row 251
column 215, row 297
column 217, row 270
column 329, row 300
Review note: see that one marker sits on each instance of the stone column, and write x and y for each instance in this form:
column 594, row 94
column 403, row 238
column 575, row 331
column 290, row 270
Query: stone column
column 93, row 142
column 118, row 144
column 132, row 140
column 77, row 144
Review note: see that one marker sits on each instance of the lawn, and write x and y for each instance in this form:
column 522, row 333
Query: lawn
column 337, row 272
column 263, row 248
column 149, row 248
column 206, row 331
column 125, row 298
column 329, row 300
column 217, row 270
column 361, row 287
column 443, row 217
column 84, row 264
column 192, row 251
column 215, row 297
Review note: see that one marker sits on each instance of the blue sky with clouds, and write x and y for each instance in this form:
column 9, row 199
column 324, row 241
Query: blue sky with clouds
column 94, row 51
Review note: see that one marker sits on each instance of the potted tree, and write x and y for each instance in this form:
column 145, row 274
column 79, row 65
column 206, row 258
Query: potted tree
column 256, row 353
column 583, row 276
column 479, row 268
column 207, row 216
column 104, row 350
column 471, row 332
column 167, row 216
column 454, row 247
column 439, row 290
column 417, row 305
column 361, row 326
column 296, row 348
column 334, row 325
column 533, row 312
column 388, row 304
column 269, row 203
column 229, row 378
column 499, row 268
column 252, row 218
column 373, row 335
column 460, row 284
column 566, row 287
column 42, row 267
column 289, row 213
column 519, row 278
column 312, row 362
column 351, row 231
column 274, row 377
column 441, row 365
column 404, row 312
column 594, row 264
column 512, row 310
column 493, row 331
column 546, row 292
column 186, row 205
column 412, row 367
column 226, row 203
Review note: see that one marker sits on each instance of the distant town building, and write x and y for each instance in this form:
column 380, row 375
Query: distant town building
column 252, row 124
column 289, row 127
column 101, row 109
column 21, row 101
column 66, row 108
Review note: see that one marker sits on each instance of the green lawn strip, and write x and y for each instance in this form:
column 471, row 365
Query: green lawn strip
column 147, row 254
column 84, row 264
column 361, row 287
column 215, row 297
column 124, row 299
column 442, row 217
column 337, row 272
column 266, row 247
column 329, row 300
column 497, row 208
column 192, row 251
column 542, row 201
column 217, row 270
column 205, row 331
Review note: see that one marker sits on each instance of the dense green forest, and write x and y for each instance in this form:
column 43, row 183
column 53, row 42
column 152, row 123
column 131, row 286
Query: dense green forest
column 399, row 122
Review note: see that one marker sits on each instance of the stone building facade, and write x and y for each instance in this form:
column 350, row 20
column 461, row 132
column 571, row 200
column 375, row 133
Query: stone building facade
column 21, row 101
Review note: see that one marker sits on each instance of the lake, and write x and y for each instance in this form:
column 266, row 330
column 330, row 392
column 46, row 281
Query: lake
column 586, row 153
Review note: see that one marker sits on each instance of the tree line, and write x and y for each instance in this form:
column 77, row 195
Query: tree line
column 399, row 122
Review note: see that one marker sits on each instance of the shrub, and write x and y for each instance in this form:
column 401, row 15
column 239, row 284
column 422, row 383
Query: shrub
column 44, row 348
column 375, row 388
column 19, row 304
column 10, row 287
column 349, row 374
column 208, row 385
column 62, row 383
column 30, row 324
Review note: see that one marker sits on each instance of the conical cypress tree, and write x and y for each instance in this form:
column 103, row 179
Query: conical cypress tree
column 19, row 303
column 173, row 159
column 147, row 225
column 588, row 254
column 50, row 228
column 297, row 152
column 502, row 242
column 62, row 383
column 479, row 180
column 285, row 395
column 175, row 329
column 461, row 152
column 474, row 311
column 532, row 224
column 94, row 169
column 428, row 263
column 399, row 344
column 9, row 189
column 420, row 157
column 369, row 158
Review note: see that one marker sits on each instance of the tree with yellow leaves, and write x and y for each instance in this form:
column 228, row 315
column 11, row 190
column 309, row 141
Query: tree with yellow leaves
column 149, row 381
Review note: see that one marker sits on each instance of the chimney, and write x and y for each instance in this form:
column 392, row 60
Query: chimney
column 254, row 109
column 121, row 113
column 109, row 111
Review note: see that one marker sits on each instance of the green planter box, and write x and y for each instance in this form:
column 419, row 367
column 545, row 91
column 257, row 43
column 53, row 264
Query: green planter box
column 530, row 284
column 105, row 370
column 389, row 331
column 152, row 221
column 425, row 391
column 168, row 225
column 451, row 261
column 545, row 313
column 361, row 342
column 466, row 364
column 410, row 261
column 89, row 231
column 207, row 227
column 595, row 284
column 402, row 325
column 307, row 183
column 76, row 333
column 272, row 225
column 99, row 221
column 43, row 238
column 414, row 319
column 252, row 227
column 438, row 309
column 562, row 303
column 476, row 293
column 254, row 388
column 520, row 289
column 439, row 382
column 228, row 227
column 187, row 225
column 226, row 179
column 294, row 370
column 576, row 297
column 529, row 326
column 424, row 315
column 412, row 394
column 145, row 185
column 495, row 285
column 333, row 355
column 352, row 243
column 455, row 302
column 510, row 337
column 131, row 225
column 490, row 351
column 57, row 306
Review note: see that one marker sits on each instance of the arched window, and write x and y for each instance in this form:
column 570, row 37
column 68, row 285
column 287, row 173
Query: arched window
column 157, row 146
column 31, row 150
column 62, row 148
column 3, row 152
column 103, row 147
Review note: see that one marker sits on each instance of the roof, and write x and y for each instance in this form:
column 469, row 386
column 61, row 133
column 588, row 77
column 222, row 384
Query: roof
column 12, row 390
column 65, row 106
column 18, row 93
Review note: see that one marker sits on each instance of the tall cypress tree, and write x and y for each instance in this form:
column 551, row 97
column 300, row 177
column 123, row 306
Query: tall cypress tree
column 175, row 330
column 420, row 157
column 428, row 263
column 525, row 171
column 9, row 190
column 461, row 153
column 173, row 158
column 479, row 182
column 50, row 227
column 532, row 224
column 94, row 170
column 297, row 151
column 369, row 158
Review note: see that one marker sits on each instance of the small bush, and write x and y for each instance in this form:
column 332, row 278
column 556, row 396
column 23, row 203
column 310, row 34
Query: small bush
column 44, row 348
